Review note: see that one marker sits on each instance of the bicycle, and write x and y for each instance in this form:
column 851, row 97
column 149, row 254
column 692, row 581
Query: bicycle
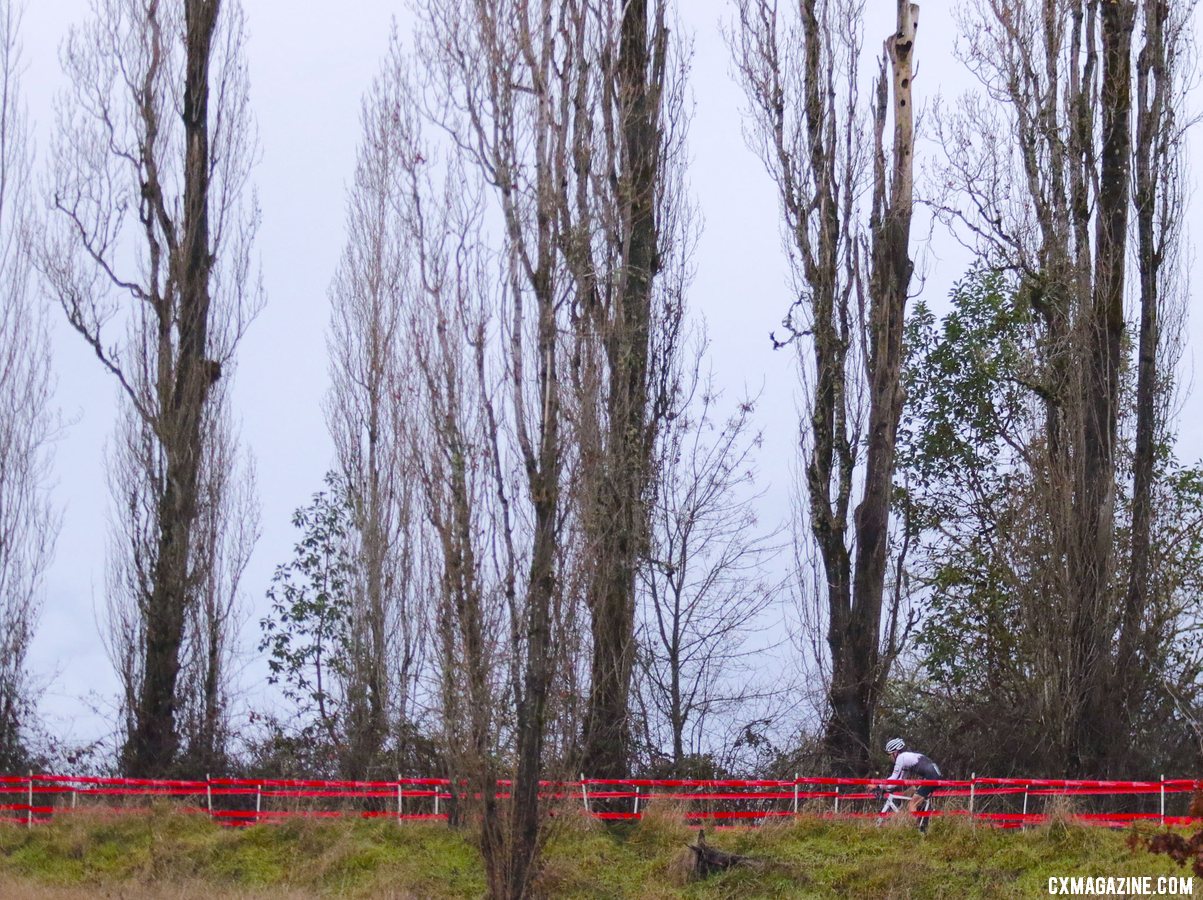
column 893, row 802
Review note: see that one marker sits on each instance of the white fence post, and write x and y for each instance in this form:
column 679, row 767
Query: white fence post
column 74, row 791
column 29, row 808
column 258, row 801
column 1026, row 788
column 795, row 793
column 209, row 794
column 636, row 800
column 400, row 802
column 1163, row 801
column 437, row 791
column 972, row 797
column 585, row 795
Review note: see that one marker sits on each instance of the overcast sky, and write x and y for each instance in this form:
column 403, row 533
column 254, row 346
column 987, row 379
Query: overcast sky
column 310, row 64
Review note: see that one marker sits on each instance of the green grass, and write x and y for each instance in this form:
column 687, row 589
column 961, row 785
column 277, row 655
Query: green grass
column 162, row 853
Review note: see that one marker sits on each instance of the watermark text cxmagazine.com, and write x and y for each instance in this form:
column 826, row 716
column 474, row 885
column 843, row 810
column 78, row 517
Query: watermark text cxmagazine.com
column 1133, row 886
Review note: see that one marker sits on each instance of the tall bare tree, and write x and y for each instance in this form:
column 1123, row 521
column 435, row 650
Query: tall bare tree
column 470, row 495
column 481, row 326
column 801, row 76
column 1164, row 65
column 571, row 116
column 502, row 65
column 704, row 587
column 149, row 256
column 28, row 521
column 628, row 230
column 369, row 418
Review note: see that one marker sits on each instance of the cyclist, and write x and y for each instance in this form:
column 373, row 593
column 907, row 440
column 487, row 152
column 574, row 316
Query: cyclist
column 907, row 765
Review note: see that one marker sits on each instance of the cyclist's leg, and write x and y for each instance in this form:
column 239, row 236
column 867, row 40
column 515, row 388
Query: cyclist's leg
column 921, row 802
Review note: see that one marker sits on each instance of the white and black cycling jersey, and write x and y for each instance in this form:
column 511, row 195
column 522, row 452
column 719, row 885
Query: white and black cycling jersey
column 910, row 765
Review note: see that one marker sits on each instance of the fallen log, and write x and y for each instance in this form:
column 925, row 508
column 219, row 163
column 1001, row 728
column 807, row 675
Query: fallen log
column 709, row 860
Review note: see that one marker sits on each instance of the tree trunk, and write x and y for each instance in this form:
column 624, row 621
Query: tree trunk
column 542, row 590
column 831, row 459
column 1092, row 564
column 184, row 383
column 857, row 676
column 1152, row 164
column 619, row 520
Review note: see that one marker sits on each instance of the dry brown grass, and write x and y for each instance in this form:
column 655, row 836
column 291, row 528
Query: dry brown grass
column 680, row 871
column 665, row 821
column 818, row 806
column 1059, row 812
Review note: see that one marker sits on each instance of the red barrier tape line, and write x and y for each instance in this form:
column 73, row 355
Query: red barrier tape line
column 23, row 781
column 293, row 794
column 811, row 795
column 301, row 792
column 1016, row 783
column 385, row 790
column 783, row 795
column 692, row 782
column 117, row 782
column 1181, row 783
column 295, row 783
column 1174, row 785
column 129, row 792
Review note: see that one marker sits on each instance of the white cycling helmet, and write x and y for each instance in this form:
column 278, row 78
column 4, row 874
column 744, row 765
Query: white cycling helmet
column 895, row 745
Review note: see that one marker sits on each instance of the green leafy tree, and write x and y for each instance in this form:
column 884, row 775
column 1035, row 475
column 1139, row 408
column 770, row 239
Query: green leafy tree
column 307, row 632
column 962, row 464
column 978, row 506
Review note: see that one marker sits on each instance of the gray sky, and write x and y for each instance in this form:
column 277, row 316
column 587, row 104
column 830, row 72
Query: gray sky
column 309, row 70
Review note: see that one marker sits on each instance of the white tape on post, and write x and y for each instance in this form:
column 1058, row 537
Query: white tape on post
column 585, row 794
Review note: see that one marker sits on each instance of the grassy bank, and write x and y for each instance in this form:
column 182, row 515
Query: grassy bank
column 163, row 854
